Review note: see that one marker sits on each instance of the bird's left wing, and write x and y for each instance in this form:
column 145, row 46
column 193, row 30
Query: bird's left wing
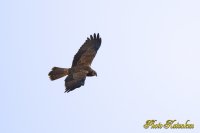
column 75, row 80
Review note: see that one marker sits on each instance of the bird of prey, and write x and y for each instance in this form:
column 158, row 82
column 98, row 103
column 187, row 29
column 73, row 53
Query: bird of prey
column 81, row 65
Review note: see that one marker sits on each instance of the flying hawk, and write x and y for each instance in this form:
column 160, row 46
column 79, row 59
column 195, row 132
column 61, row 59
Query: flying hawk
column 80, row 68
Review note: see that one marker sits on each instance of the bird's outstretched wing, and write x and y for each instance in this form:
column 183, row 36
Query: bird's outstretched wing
column 87, row 51
column 75, row 80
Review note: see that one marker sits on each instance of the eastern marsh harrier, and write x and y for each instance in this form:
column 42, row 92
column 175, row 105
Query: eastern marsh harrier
column 80, row 68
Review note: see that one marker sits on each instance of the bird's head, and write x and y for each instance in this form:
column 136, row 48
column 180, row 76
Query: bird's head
column 92, row 73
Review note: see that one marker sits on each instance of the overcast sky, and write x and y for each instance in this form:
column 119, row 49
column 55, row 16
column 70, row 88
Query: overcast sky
column 148, row 65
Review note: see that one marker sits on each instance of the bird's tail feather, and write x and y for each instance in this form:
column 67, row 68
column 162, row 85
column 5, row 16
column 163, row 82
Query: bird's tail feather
column 57, row 73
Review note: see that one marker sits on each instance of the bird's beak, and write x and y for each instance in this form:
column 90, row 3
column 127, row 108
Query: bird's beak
column 96, row 74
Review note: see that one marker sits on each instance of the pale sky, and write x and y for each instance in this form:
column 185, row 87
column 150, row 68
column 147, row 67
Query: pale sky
column 148, row 65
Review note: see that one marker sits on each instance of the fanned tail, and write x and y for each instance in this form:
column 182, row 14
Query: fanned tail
column 57, row 73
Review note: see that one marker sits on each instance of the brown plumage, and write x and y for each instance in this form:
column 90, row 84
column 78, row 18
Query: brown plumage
column 80, row 68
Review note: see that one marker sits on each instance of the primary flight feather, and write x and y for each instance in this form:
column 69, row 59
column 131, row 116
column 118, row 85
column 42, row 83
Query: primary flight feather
column 81, row 65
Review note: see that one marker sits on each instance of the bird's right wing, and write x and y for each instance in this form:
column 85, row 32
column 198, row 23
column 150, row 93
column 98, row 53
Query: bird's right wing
column 87, row 51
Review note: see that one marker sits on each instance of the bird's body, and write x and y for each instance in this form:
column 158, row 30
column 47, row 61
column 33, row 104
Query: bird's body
column 81, row 65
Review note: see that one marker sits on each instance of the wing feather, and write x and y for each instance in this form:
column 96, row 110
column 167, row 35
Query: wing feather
column 87, row 51
column 75, row 80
